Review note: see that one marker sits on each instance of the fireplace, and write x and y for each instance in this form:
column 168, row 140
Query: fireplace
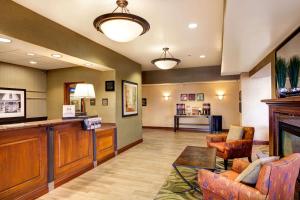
column 289, row 138
column 284, row 129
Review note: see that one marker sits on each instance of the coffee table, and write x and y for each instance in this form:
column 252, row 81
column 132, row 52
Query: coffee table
column 195, row 158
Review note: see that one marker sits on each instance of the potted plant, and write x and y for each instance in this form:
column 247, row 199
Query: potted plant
column 281, row 69
column 293, row 71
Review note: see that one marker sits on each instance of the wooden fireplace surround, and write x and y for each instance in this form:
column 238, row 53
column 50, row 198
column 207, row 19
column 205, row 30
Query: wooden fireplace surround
column 283, row 110
column 286, row 110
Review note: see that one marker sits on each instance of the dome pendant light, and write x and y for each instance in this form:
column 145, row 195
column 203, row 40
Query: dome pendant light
column 121, row 26
column 166, row 63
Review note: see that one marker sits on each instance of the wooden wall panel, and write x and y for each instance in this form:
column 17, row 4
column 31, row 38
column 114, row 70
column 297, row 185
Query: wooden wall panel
column 105, row 144
column 23, row 162
column 73, row 151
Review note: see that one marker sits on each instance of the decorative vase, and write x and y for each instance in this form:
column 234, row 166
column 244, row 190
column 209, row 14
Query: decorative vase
column 282, row 92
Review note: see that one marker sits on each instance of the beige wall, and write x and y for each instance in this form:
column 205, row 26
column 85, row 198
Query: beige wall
column 57, row 78
column 33, row 80
column 160, row 112
column 254, row 112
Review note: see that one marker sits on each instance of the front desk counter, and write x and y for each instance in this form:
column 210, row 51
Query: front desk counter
column 36, row 157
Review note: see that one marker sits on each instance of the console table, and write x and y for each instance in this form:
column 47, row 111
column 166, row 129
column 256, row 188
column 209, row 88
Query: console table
column 177, row 121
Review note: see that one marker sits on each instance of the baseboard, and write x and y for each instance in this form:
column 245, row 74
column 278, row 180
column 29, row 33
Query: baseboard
column 130, row 146
column 106, row 158
column 159, row 127
column 260, row 142
column 172, row 129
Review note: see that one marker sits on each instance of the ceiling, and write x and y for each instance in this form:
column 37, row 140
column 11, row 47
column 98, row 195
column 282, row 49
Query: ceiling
column 253, row 28
column 169, row 21
column 17, row 51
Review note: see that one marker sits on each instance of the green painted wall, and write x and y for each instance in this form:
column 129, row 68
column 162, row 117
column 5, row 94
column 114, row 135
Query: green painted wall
column 55, row 82
column 33, row 80
column 21, row 23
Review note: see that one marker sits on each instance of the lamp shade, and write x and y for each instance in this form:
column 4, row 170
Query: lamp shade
column 84, row 90
column 165, row 64
column 121, row 30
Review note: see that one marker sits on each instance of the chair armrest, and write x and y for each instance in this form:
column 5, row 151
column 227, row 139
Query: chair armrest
column 216, row 185
column 239, row 165
column 216, row 138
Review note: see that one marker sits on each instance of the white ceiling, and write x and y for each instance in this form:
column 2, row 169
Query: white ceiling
column 169, row 21
column 16, row 53
column 253, row 28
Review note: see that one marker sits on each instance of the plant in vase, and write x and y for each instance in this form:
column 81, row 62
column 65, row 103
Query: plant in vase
column 293, row 71
column 281, row 68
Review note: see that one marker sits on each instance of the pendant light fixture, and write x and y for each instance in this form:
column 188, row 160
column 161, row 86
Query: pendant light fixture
column 165, row 62
column 121, row 26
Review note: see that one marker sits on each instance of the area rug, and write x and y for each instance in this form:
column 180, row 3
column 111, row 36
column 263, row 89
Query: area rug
column 174, row 188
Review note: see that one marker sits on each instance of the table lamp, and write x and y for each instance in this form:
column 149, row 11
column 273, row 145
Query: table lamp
column 86, row 91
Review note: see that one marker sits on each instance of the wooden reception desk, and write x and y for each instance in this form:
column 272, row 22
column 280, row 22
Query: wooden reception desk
column 35, row 157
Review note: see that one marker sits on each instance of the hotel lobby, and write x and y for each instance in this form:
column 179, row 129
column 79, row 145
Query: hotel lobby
column 149, row 100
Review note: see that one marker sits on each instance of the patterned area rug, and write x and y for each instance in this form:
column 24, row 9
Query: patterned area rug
column 174, row 188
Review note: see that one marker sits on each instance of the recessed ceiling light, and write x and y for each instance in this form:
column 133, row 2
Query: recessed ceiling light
column 192, row 25
column 56, row 55
column 33, row 62
column 5, row 40
column 30, row 54
column 202, row 56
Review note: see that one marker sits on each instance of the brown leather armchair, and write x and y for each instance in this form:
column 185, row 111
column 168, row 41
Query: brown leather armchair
column 233, row 149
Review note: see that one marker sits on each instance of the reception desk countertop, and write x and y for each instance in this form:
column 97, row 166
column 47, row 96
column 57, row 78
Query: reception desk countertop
column 45, row 123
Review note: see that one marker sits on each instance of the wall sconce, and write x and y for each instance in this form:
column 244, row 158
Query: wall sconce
column 220, row 95
column 166, row 96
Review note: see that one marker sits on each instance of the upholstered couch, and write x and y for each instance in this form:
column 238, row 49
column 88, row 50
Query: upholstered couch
column 232, row 149
column 276, row 181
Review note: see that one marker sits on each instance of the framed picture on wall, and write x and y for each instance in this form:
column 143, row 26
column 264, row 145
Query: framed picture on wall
column 200, row 96
column 92, row 102
column 109, row 86
column 192, row 97
column 129, row 98
column 105, row 102
column 12, row 105
column 144, row 102
column 183, row 97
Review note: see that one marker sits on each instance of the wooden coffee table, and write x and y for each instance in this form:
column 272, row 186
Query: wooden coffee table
column 195, row 158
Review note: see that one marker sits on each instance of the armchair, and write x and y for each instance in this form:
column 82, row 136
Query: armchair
column 276, row 181
column 233, row 149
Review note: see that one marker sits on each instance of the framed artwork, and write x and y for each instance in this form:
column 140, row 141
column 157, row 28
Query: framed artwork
column 109, row 86
column 200, row 97
column 129, row 98
column 12, row 105
column 105, row 102
column 183, row 97
column 144, row 102
column 93, row 102
column 192, row 97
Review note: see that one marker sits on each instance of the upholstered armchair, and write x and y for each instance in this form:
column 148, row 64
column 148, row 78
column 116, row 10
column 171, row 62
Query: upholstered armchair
column 232, row 149
column 276, row 180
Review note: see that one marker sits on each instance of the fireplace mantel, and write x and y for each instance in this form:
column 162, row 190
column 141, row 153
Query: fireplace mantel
column 285, row 101
column 285, row 110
